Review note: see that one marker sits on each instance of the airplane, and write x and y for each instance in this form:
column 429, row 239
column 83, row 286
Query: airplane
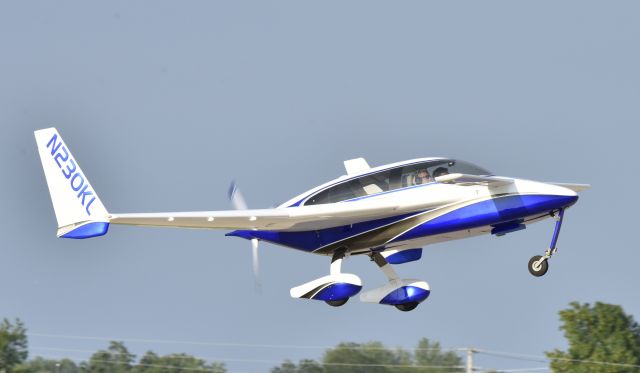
column 387, row 213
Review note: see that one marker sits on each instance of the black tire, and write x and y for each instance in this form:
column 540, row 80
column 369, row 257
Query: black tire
column 337, row 303
column 541, row 269
column 406, row 307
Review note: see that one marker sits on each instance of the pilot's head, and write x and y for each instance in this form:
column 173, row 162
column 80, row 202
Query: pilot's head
column 440, row 171
column 422, row 176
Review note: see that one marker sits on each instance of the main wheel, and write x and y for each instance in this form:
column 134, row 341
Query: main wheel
column 337, row 303
column 406, row 307
column 538, row 269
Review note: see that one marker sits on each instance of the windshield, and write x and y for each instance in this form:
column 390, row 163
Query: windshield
column 392, row 179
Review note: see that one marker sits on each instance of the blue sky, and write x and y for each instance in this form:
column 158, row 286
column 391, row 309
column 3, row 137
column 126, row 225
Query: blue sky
column 164, row 103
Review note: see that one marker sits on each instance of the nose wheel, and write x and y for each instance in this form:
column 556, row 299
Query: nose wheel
column 539, row 264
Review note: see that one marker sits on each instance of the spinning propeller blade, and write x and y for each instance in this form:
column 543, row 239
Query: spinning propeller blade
column 239, row 203
column 256, row 264
column 236, row 198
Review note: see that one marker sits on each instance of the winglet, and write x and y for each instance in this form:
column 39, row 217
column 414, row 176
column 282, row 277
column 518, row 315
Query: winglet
column 356, row 166
column 78, row 209
column 574, row 187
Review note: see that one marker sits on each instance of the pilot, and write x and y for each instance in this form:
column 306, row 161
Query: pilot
column 440, row 171
column 422, row 177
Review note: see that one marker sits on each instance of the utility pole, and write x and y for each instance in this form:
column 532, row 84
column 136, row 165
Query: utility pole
column 470, row 352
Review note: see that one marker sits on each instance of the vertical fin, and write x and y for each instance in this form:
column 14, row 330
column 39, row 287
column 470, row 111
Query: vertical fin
column 78, row 209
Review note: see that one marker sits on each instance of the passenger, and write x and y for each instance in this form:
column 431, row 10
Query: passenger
column 422, row 177
column 440, row 171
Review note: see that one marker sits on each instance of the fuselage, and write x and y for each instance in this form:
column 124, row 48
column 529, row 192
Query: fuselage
column 388, row 212
column 423, row 213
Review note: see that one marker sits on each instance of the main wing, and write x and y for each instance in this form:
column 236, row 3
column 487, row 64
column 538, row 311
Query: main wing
column 81, row 214
column 278, row 219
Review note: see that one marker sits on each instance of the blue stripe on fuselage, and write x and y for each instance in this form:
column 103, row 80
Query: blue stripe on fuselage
column 492, row 211
column 312, row 240
column 485, row 213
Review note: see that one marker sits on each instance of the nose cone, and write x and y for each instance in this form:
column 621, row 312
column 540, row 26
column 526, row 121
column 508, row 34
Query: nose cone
column 562, row 196
column 566, row 201
column 544, row 197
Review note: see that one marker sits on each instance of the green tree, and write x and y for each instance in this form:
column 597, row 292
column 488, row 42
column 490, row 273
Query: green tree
column 175, row 363
column 431, row 354
column 375, row 357
column 42, row 365
column 115, row 359
column 304, row 366
column 602, row 332
column 309, row 366
column 286, row 367
column 13, row 345
column 371, row 357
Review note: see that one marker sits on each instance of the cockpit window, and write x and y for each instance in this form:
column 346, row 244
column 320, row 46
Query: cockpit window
column 427, row 172
column 462, row 167
column 392, row 179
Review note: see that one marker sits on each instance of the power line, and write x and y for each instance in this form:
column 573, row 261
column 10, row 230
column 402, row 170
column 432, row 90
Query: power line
column 538, row 358
column 213, row 370
column 231, row 344
column 509, row 355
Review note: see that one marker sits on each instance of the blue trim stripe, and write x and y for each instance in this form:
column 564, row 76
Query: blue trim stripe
column 492, row 211
column 88, row 230
column 405, row 294
column 313, row 240
column 497, row 212
column 337, row 291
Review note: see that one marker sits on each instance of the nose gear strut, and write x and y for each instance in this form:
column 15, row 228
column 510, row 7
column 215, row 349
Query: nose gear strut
column 539, row 264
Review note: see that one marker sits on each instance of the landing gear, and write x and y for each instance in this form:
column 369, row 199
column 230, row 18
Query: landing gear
column 336, row 265
column 334, row 289
column 403, row 294
column 539, row 264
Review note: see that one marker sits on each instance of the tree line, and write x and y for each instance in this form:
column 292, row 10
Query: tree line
column 601, row 338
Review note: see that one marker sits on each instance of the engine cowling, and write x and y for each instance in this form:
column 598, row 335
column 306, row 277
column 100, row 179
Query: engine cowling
column 398, row 292
column 335, row 287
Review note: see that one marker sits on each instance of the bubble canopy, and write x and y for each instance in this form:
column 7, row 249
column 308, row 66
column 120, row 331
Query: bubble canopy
column 393, row 178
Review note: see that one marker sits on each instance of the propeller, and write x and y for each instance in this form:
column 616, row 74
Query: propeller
column 256, row 262
column 236, row 198
column 238, row 202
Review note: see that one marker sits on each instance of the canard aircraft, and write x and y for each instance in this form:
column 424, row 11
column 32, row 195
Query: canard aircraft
column 387, row 213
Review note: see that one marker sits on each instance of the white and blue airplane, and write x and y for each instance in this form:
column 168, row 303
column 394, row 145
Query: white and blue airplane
column 387, row 213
